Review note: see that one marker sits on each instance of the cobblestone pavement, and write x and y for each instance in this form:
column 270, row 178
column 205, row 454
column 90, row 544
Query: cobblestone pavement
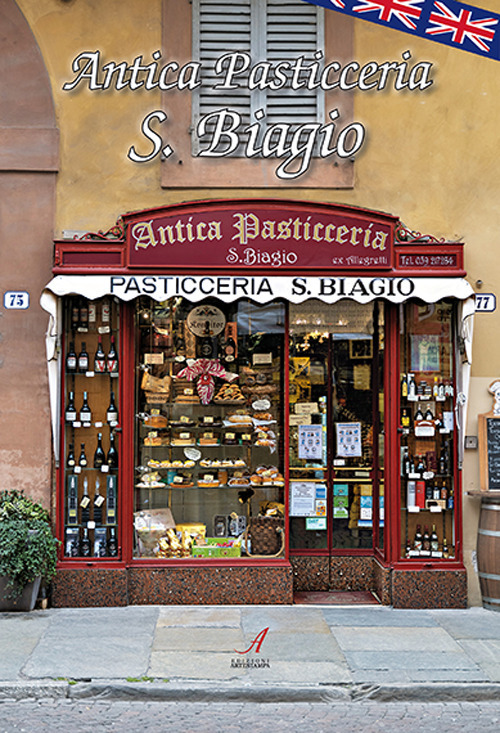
column 63, row 715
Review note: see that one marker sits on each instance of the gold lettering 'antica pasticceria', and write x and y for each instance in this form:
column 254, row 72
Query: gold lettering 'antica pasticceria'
column 248, row 226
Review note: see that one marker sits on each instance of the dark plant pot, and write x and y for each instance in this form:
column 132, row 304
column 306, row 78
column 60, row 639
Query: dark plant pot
column 25, row 602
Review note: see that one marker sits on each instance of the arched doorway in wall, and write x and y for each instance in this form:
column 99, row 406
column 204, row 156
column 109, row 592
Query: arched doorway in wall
column 28, row 166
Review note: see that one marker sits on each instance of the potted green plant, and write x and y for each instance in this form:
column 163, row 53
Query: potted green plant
column 28, row 550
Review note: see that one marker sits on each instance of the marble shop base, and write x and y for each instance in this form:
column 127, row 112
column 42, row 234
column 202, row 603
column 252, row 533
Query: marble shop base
column 259, row 584
column 429, row 588
column 201, row 585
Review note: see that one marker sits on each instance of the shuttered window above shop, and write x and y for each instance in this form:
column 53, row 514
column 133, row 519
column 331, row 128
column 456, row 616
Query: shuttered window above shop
column 271, row 31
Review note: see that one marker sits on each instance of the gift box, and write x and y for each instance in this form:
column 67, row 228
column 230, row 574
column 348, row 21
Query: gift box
column 217, row 547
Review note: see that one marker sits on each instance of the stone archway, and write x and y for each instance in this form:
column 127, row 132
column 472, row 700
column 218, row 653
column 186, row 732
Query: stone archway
column 28, row 165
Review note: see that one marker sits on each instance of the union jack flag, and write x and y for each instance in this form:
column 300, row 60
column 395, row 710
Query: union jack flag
column 404, row 10
column 461, row 26
column 451, row 22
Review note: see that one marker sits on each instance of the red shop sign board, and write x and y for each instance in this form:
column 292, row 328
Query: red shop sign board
column 273, row 236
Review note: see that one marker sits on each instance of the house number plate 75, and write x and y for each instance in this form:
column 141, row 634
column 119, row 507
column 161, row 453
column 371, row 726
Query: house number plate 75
column 16, row 300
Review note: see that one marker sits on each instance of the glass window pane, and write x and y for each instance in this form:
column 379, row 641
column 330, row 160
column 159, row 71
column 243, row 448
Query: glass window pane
column 209, row 435
column 428, row 425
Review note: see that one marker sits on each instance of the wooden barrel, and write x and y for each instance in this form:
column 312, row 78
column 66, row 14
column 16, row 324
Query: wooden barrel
column 488, row 552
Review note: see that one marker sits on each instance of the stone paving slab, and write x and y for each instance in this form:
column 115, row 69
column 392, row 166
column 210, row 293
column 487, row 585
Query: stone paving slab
column 283, row 619
column 375, row 616
column 389, row 638
column 477, row 623
column 193, row 666
column 486, row 654
column 19, row 635
column 199, row 616
column 410, row 660
column 195, row 639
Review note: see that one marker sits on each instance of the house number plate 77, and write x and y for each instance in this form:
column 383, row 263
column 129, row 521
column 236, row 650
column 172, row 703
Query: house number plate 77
column 485, row 303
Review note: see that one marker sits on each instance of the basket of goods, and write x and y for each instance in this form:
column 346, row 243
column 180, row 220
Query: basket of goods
column 266, row 532
column 156, row 389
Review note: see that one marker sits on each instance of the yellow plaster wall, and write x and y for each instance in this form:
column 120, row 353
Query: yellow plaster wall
column 431, row 157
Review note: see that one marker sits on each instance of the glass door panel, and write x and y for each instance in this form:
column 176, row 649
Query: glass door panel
column 335, row 366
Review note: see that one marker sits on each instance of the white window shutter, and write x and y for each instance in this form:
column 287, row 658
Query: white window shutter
column 272, row 30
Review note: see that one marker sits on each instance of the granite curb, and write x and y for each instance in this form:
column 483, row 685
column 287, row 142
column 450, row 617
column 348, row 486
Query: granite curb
column 272, row 693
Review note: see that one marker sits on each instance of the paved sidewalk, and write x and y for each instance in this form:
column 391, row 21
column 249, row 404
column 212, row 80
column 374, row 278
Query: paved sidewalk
column 293, row 653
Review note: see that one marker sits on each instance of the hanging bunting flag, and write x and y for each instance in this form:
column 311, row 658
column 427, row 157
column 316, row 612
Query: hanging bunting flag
column 445, row 21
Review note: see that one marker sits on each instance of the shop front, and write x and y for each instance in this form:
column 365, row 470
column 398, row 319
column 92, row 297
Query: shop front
column 254, row 398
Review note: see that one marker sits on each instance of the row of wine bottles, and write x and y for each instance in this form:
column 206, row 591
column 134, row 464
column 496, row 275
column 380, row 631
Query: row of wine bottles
column 79, row 544
column 84, row 415
column 99, row 509
column 103, row 362
column 427, row 543
column 86, row 313
column 100, row 457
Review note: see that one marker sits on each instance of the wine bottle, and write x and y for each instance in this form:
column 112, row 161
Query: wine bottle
column 85, row 544
column 99, row 455
column 85, row 503
column 112, row 457
column 404, row 386
column 70, row 414
column 92, row 309
column 112, row 543
column 426, row 540
column 75, row 315
column 419, row 415
column 112, row 411
column 446, row 552
column 82, row 460
column 105, row 311
column 229, row 349
column 434, row 539
column 429, row 415
column 72, row 499
column 207, row 347
column 112, row 357
column 85, row 411
column 417, row 542
column 98, row 502
column 71, row 359
column 83, row 324
column 412, row 388
column 71, row 460
column 83, row 359
column 100, row 359
column 111, row 500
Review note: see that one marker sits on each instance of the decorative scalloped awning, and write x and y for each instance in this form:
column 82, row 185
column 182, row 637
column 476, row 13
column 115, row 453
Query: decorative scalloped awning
column 262, row 289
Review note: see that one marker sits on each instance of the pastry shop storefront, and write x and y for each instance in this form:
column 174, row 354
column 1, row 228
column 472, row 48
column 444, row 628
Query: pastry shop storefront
column 253, row 399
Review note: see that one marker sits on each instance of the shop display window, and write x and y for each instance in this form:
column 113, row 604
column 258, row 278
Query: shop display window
column 90, row 440
column 427, row 427
column 209, row 442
